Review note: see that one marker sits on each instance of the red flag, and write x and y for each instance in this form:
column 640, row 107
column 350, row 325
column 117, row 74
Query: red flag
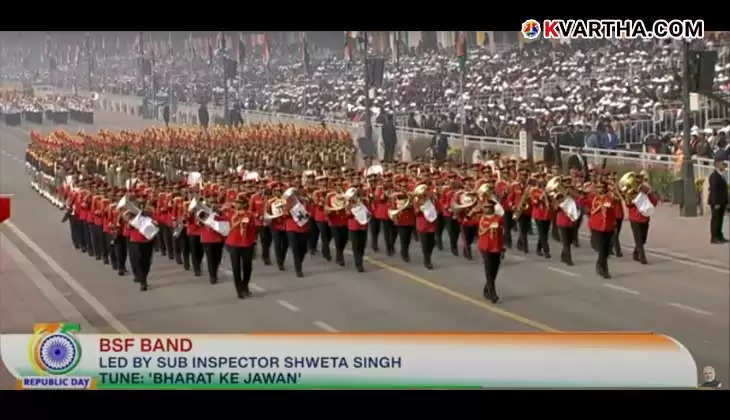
column 267, row 52
column 348, row 46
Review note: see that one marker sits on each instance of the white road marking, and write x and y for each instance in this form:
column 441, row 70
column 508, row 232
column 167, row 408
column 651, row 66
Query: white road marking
column 519, row 258
column 257, row 288
column 622, row 289
column 288, row 305
column 561, row 271
column 689, row 308
column 72, row 282
column 57, row 299
column 695, row 263
column 325, row 326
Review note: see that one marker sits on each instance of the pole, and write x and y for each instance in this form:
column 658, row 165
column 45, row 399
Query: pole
column 689, row 203
column 463, row 117
column 88, row 52
column 368, row 126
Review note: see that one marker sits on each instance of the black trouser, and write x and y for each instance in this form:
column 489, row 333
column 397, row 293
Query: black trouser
column 281, row 246
column 313, row 237
column 454, row 228
column 266, row 239
column 166, row 238
column 213, row 255
column 326, row 236
column 78, row 229
column 491, row 268
column 566, row 237
column 375, row 232
column 508, row 223
column 241, row 265
column 640, row 231
column 109, row 250
column 340, row 235
column 390, row 232
column 616, row 237
column 98, row 233
column 196, row 252
column 182, row 249
column 298, row 243
column 524, row 225
column 140, row 257
column 120, row 248
column 555, row 230
column 576, row 230
column 603, row 240
column 543, row 229
column 428, row 240
column 88, row 231
column 716, row 218
column 440, row 225
column 405, row 232
column 469, row 232
column 74, row 235
column 359, row 239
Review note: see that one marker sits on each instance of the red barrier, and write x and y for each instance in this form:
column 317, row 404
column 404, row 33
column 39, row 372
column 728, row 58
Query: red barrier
column 4, row 208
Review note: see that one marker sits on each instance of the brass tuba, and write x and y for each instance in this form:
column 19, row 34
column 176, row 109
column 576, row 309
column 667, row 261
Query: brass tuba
column 629, row 185
column 339, row 202
column 464, row 200
column 555, row 189
column 402, row 202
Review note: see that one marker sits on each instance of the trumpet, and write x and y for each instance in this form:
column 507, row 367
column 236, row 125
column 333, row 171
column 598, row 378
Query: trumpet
column 402, row 202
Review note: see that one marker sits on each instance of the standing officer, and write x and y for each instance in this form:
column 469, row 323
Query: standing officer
column 718, row 201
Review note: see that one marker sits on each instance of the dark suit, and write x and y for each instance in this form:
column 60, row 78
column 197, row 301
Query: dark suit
column 718, row 202
column 389, row 140
column 203, row 116
column 575, row 163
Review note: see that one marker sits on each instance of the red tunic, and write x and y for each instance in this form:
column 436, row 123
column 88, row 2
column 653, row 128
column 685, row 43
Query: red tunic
column 562, row 219
column 490, row 234
column 135, row 236
column 634, row 214
column 515, row 196
column 445, row 201
column 248, row 238
column 257, row 204
column 337, row 218
column 423, row 225
column 619, row 208
column 380, row 207
column 353, row 224
column 193, row 228
column 603, row 216
column 540, row 210
column 291, row 226
column 209, row 236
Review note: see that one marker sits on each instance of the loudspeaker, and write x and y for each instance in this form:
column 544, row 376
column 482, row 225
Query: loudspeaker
column 702, row 70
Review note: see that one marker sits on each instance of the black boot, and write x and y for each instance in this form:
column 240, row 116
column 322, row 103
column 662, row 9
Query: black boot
column 494, row 298
column 143, row 287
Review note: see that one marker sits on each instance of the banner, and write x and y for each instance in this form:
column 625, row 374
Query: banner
column 57, row 356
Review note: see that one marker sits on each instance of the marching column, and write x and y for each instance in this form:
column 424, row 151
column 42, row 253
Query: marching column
column 240, row 243
column 490, row 245
column 602, row 223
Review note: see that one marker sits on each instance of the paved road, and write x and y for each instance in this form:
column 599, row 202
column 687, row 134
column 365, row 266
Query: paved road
column 685, row 299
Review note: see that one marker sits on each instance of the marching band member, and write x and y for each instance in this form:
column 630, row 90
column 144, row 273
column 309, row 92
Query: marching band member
column 240, row 244
column 565, row 224
column 358, row 230
column 212, row 241
column 390, row 232
column 140, row 248
column 337, row 220
column 405, row 218
column 320, row 216
column 193, row 230
column 297, row 227
column 540, row 207
column 257, row 206
column 639, row 221
column 163, row 215
column 120, row 231
column 602, row 223
column 278, row 231
column 519, row 202
column 426, row 228
column 379, row 204
column 615, row 248
column 108, row 206
column 502, row 189
column 180, row 242
column 491, row 245
column 448, row 220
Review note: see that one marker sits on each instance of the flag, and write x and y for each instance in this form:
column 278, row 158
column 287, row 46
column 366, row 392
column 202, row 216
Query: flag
column 78, row 54
column 117, row 46
column 461, row 50
column 220, row 41
column 267, row 51
column 348, row 45
column 68, row 54
column 305, row 53
column 241, row 50
column 169, row 45
column 210, row 51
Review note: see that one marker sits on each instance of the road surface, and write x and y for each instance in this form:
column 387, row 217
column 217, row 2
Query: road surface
column 45, row 279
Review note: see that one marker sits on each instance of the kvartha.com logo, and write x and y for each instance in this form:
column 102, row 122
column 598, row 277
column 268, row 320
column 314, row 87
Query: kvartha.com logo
column 613, row 28
column 54, row 352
